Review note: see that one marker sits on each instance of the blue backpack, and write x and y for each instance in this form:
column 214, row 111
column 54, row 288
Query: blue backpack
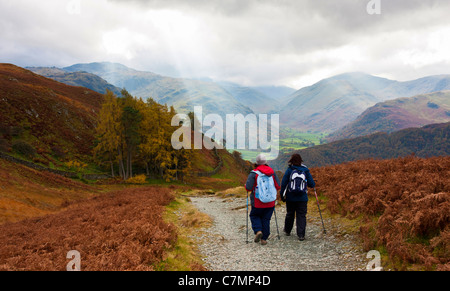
column 265, row 189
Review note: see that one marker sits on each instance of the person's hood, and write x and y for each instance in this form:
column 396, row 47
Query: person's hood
column 303, row 167
column 266, row 170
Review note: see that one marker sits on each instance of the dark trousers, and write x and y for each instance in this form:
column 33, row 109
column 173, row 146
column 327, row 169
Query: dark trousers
column 260, row 218
column 299, row 210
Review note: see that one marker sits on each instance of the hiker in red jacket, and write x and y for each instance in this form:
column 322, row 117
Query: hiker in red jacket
column 261, row 213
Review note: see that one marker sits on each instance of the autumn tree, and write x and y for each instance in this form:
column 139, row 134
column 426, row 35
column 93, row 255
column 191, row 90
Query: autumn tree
column 109, row 131
column 131, row 119
column 149, row 138
column 131, row 129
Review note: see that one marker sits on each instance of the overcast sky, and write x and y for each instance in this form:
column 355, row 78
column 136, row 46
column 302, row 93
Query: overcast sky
column 252, row 42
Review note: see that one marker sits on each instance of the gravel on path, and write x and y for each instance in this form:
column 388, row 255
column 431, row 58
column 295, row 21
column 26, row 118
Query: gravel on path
column 224, row 246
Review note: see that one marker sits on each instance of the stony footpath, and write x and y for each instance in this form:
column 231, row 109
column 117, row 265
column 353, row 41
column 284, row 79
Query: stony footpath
column 224, row 246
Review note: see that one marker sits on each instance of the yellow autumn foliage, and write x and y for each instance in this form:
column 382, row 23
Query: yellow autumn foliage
column 140, row 180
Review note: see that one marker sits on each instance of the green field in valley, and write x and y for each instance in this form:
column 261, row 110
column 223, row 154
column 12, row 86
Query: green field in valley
column 290, row 140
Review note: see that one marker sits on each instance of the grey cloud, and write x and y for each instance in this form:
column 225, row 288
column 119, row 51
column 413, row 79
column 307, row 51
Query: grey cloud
column 301, row 25
column 256, row 41
column 228, row 7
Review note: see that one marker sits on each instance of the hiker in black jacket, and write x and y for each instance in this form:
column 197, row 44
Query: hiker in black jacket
column 296, row 201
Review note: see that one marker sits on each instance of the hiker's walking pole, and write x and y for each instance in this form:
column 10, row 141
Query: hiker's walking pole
column 247, row 218
column 318, row 205
column 276, row 221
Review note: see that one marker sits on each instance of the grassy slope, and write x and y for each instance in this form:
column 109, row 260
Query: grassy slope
column 232, row 174
column 25, row 192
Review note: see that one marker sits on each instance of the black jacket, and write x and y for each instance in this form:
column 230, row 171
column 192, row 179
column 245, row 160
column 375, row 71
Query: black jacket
column 284, row 183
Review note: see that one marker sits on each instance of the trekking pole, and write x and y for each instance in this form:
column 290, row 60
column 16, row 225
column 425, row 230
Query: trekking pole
column 247, row 218
column 276, row 221
column 318, row 205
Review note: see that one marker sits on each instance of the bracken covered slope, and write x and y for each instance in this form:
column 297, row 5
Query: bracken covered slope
column 51, row 116
column 123, row 230
column 404, row 204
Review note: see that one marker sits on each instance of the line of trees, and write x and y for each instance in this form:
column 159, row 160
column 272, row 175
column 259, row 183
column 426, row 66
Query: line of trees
column 136, row 134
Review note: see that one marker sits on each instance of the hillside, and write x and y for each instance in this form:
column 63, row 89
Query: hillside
column 50, row 122
column 402, row 207
column 28, row 193
column 398, row 114
column 334, row 102
column 119, row 231
column 429, row 141
column 40, row 115
column 219, row 172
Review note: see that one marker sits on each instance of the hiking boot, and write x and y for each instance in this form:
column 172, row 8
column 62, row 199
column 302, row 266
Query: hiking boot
column 258, row 236
column 301, row 238
column 263, row 242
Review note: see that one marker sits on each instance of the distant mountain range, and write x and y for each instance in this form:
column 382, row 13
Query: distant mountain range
column 332, row 103
column 257, row 100
column 55, row 123
column 398, row 114
column 54, row 116
column 327, row 106
column 215, row 97
column 429, row 141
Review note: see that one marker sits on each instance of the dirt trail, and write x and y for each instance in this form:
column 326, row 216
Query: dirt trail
column 224, row 247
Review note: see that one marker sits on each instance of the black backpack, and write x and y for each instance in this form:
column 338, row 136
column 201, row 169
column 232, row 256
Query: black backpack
column 297, row 182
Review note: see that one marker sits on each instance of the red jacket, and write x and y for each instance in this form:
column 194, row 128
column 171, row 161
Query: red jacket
column 251, row 185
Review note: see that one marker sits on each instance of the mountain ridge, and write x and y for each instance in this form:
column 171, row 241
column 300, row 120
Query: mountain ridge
column 398, row 114
column 82, row 79
column 183, row 94
column 326, row 106
column 428, row 141
column 332, row 103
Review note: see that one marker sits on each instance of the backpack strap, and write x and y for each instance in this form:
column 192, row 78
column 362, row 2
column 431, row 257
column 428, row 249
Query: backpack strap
column 256, row 179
